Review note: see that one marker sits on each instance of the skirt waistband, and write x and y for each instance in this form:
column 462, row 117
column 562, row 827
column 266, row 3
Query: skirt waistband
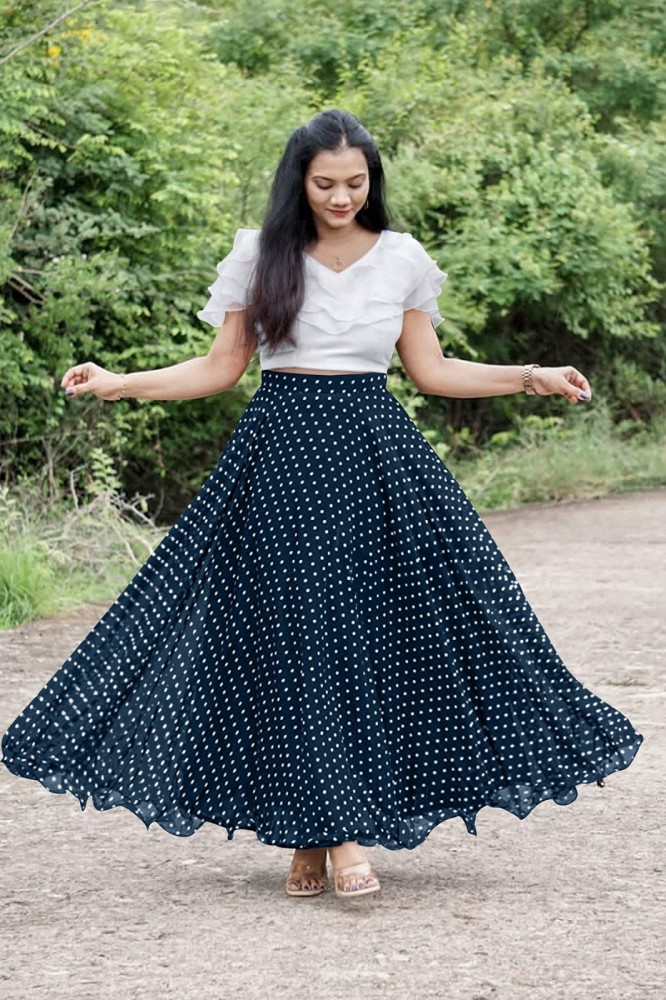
column 302, row 382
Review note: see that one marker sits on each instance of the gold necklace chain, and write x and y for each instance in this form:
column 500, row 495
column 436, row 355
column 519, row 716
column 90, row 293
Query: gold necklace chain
column 338, row 262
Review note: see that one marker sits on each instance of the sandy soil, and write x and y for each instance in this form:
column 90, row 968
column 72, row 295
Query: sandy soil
column 568, row 904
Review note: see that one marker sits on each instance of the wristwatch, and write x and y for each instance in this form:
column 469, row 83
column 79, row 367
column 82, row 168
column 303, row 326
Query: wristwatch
column 527, row 379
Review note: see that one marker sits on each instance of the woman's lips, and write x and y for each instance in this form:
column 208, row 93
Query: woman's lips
column 335, row 211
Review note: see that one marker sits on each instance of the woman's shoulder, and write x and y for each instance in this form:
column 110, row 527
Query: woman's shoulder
column 246, row 242
column 402, row 241
column 414, row 272
column 405, row 249
column 398, row 239
column 404, row 246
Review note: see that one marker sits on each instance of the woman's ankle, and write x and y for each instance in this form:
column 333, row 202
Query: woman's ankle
column 348, row 853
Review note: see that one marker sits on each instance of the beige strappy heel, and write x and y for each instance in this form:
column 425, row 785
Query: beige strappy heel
column 362, row 873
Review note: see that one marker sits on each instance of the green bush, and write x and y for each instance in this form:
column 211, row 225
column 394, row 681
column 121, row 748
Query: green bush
column 522, row 145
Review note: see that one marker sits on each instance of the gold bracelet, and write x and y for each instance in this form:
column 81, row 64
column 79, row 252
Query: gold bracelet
column 528, row 385
column 121, row 394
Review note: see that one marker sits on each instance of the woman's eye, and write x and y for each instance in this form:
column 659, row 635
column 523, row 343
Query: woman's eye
column 327, row 187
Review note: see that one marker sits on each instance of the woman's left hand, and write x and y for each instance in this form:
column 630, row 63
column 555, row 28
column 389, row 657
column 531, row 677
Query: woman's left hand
column 566, row 381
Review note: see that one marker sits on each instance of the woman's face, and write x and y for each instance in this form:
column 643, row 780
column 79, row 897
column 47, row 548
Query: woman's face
column 337, row 185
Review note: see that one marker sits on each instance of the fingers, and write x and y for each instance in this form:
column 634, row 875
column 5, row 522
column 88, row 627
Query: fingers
column 75, row 375
column 576, row 388
column 575, row 377
column 79, row 388
column 80, row 378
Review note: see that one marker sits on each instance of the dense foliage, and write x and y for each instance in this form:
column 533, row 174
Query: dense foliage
column 523, row 144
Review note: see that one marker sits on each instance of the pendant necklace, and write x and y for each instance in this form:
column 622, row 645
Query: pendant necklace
column 338, row 262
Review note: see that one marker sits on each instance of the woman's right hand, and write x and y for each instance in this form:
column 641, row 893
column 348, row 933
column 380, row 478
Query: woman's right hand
column 90, row 377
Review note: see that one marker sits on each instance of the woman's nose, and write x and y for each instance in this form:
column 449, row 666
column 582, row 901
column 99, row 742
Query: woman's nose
column 340, row 197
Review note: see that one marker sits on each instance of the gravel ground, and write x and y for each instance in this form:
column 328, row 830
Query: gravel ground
column 567, row 904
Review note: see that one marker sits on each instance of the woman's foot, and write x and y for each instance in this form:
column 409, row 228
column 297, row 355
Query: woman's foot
column 353, row 874
column 308, row 874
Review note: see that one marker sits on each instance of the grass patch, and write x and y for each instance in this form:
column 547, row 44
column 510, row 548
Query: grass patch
column 55, row 559
column 551, row 459
column 27, row 582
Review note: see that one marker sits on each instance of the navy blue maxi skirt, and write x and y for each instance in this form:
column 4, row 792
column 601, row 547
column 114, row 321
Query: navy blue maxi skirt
column 327, row 645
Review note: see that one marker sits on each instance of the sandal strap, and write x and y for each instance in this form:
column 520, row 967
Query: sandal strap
column 360, row 868
column 299, row 871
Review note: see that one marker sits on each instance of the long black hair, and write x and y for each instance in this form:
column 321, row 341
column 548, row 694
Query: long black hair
column 288, row 227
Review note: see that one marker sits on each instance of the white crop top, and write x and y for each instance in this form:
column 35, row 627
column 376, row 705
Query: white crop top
column 350, row 320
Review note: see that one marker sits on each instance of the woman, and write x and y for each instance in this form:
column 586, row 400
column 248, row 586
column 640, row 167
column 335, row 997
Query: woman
column 328, row 647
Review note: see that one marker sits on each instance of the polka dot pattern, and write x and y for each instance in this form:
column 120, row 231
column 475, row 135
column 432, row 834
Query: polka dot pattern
column 327, row 645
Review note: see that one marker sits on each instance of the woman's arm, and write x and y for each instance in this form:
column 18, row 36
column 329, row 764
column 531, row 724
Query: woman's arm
column 433, row 373
column 207, row 375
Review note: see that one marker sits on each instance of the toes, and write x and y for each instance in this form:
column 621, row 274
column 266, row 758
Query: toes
column 355, row 883
column 306, row 882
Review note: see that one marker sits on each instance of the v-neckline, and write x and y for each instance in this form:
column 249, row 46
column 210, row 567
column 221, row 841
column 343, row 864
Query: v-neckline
column 354, row 263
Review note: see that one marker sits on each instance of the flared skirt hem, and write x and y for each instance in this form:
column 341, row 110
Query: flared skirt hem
column 403, row 833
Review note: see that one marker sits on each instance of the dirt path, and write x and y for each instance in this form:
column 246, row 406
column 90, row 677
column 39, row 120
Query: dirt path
column 568, row 904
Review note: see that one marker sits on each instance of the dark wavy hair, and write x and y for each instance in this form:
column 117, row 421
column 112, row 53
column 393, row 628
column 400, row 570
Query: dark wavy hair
column 288, row 227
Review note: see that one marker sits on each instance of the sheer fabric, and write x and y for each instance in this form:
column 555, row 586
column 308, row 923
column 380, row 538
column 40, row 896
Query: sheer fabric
column 350, row 319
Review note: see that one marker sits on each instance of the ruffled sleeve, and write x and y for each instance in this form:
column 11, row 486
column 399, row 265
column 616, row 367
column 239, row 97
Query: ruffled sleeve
column 232, row 289
column 425, row 283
